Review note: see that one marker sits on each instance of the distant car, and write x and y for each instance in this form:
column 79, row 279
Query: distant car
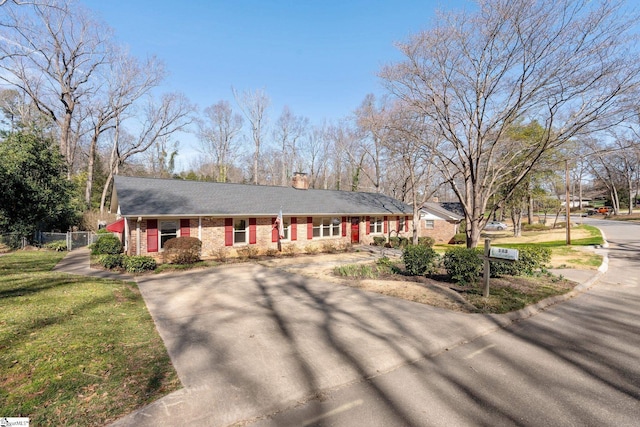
column 604, row 209
column 496, row 225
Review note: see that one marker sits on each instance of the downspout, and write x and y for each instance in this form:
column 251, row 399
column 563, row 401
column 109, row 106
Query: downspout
column 138, row 236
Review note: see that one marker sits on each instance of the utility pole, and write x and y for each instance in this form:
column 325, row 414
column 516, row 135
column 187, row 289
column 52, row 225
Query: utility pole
column 567, row 202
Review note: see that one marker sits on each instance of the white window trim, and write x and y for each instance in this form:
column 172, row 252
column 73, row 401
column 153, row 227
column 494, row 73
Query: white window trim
column 331, row 228
column 246, row 232
column 433, row 224
column 373, row 222
column 160, row 234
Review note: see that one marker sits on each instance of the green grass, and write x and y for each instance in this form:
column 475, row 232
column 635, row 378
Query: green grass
column 361, row 271
column 504, row 299
column 75, row 350
column 595, row 238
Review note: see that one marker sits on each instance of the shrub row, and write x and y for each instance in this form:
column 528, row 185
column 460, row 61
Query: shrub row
column 131, row 264
column 401, row 242
column 465, row 265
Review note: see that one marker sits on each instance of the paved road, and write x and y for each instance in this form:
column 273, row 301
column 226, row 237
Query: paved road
column 578, row 363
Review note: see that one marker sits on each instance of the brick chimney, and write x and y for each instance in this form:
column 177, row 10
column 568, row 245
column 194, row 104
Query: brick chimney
column 300, row 181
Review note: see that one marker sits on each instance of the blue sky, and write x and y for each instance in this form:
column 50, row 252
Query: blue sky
column 318, row 57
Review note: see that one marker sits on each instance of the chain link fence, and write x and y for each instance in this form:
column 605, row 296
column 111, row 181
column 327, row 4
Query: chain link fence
column 73, row 239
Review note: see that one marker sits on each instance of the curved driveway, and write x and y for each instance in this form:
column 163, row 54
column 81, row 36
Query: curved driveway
column 257, row 344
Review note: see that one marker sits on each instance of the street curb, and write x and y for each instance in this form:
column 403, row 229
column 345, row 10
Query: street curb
column 534, row 309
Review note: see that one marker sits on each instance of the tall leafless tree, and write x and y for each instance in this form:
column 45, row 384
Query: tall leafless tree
column 51, row 51
column 126, row 81
column 156, row 121
column 254, row 105
column 287, row 132
column 218, row 134
column 567, row 64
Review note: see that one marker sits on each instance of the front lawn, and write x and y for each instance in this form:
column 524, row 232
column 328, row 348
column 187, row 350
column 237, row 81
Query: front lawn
column 75, row 350
column 507, row 293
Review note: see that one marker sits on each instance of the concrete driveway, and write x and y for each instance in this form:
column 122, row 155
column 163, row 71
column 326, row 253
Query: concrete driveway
column 248, row 341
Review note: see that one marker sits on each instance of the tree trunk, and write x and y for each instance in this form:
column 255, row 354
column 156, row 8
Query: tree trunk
column 90, row 167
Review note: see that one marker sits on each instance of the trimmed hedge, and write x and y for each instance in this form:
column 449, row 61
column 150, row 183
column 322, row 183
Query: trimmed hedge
column 138, row 263
column 419, row 260
column 463, row 265
column 112, row 261
column 379, row 240
column 107, row 244
column 182, row 250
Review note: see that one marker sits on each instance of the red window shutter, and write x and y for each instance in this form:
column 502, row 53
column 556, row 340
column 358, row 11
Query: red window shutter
column 185, row 230
column 252, row 231
column 274, row 230
column 344, row 226
column 228, row 231
column 309, row 228
column 294, row 228
column 368, row 231
column 406, row 223
column 385, row 225
column 152, row 235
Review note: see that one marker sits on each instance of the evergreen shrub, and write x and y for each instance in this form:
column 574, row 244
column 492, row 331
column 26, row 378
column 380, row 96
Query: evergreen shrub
column 463, row 265
column 107, row 244
column 419, row 260
column 139, row 263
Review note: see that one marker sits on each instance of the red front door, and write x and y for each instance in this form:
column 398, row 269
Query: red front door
column 355, row 230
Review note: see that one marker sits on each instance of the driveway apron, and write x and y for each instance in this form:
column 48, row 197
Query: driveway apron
column 247, row 340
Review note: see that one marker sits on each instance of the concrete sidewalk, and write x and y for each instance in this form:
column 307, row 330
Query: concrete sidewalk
column 77, row 261
column 248, row 341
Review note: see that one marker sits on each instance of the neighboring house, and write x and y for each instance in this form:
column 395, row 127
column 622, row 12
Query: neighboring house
column 575, row 201
column 229, row 217
column 438, row 222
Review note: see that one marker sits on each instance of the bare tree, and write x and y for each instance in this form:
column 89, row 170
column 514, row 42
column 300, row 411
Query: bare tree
column 159, row 120
column 254, row 106
column 373, row 121
column 565, row 64
column 51, row 51
column 287, row 132
column 218, row 133
column 414, row 144
column 126, row 82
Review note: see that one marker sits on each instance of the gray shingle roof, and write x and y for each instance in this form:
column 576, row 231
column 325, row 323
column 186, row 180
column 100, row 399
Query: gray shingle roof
column 171, row 197
column 439, row 210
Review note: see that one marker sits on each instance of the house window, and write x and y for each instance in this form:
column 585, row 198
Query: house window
column 326, row 227
column 375, row 225
column 168, row 230
column 429, row 224
column 286, row 223
column 401, row 224
column 240, row 231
